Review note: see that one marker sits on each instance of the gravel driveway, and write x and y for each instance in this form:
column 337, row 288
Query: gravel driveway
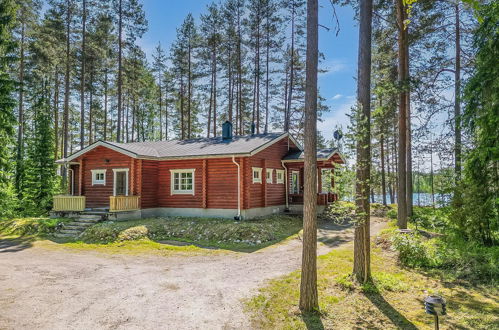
column 58, row 289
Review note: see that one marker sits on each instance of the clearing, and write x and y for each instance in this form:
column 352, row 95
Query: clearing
column 46, row 285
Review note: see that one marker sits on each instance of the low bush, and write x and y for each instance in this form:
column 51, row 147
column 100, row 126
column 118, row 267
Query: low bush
column 451, row 256
column 30, row 226
column 435, row 219
column 339, row 212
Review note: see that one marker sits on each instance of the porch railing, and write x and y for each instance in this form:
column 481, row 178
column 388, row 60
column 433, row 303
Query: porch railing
column 69, row 203
column 124, row 203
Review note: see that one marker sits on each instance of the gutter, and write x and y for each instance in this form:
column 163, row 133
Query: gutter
column 238, row 216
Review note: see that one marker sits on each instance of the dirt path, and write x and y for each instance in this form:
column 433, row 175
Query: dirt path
column 52, row 289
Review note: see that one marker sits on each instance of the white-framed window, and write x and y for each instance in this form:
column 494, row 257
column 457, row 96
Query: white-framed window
column 120, row 181
column 270, row 176
column 280, row 176
column 182, row 181
column 98, row 177
column 257, row 175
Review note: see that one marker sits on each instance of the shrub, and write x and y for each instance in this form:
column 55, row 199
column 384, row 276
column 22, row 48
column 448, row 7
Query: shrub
column 436, row 219
column 392, row 214
column 133, row 233
column 412, row 251
column 31, row 226
column 339, row 212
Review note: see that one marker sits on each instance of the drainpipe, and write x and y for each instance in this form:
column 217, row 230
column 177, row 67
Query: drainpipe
column 286, row 183
column 238, row 216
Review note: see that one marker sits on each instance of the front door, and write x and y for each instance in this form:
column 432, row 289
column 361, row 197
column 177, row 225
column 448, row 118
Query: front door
column 121, row 183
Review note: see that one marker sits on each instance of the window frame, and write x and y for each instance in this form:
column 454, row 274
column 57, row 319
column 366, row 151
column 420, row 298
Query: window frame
column 271, row 179
column 259, row 171
column 96, row 172
column 179, row 191
column 127, row 178
column 282, row 173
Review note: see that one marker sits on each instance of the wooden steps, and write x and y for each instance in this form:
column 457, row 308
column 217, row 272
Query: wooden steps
column 84, row 220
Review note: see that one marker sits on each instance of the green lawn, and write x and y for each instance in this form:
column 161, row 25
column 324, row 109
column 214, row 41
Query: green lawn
column 395, row 301
column 164, row 234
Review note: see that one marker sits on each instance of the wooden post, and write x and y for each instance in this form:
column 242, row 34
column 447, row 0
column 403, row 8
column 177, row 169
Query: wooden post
column 205, row 183
column 264, row 182
column 80, row 178
column 132, row 176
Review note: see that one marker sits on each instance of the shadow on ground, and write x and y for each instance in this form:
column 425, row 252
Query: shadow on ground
column 312, row 321
column 10, row 245
column 391, row 313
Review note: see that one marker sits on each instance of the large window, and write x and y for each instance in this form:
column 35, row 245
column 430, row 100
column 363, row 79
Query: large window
column 98, row 177
column 257, row 175
column 182, row 181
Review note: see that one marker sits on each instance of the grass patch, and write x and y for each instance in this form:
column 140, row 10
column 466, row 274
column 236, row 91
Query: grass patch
column 220, row 233
column 393, row 301
column 43, row 226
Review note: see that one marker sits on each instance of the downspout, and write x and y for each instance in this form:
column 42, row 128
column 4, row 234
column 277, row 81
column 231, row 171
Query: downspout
column 238, row 216
column 71, row 191
column 286, row 184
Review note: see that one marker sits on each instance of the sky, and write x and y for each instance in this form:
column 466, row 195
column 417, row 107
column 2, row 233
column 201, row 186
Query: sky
column 337, row 86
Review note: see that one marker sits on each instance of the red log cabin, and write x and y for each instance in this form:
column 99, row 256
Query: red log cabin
column 231, row 177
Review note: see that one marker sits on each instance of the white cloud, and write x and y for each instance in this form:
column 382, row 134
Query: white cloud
column 337, row 117
column 333, row 66
column 337, row 97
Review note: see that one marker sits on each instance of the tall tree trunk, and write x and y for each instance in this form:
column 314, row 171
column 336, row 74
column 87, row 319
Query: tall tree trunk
column 267, row 71
column 105, row 104
column 82, row 78
column 390, row 190
column 409, row 185
column 160, row 88
column 189, row 91
column 215, row 94
column 309, row 300
column 402, row 147
column 182, row 115
column 383, row 178
column 67, row 91
column 56, row 113
column 90, row 112
column 291, row 72
column 208, row 129
column 120, row 69
column 362, row 258
column 20, row 131
column 457, row 99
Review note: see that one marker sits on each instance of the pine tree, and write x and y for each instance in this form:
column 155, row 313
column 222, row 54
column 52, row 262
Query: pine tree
column 7, row 88
column 41, row 167
column 159, row 68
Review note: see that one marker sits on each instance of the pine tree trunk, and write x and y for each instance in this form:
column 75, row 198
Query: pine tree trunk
column 267, row 70
column 390, row 190
column 362, row 258
column 383, row 178
column 20, row 131
column 309, row 300
column 457, row 99
column 56, row 114
column 82, row 78
column 67, row 91
column 408, row 128
column 189, row 91
column 402, row 147
column 215, row 94
column 160, row 88
column 291, row 73
column 120, row 69
column 90, row 112
column 105, row 105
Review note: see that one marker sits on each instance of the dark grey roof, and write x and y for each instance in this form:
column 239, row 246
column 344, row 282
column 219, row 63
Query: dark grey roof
column 215, row 146
column 322, row 154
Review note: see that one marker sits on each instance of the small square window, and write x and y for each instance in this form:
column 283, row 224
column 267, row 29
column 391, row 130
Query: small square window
column 280, row 176
column 270, row 171
column 257, row 175
column 182, row 181
column 98, row 177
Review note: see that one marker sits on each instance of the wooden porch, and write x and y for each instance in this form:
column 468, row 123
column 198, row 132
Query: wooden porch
column 68, row 203
column 322, row 198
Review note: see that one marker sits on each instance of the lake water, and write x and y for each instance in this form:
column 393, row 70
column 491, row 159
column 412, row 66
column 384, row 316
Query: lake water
column 419, row 199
